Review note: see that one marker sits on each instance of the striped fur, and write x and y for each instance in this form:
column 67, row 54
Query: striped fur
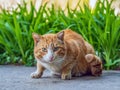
column 67, row 53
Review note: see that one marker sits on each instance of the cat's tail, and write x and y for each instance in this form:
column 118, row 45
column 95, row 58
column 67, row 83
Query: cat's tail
column 95, row 64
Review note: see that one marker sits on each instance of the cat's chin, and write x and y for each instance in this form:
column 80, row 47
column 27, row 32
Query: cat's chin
column 55, row 60
column 50, row 62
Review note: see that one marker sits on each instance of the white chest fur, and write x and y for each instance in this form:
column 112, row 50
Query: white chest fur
column 54, row 67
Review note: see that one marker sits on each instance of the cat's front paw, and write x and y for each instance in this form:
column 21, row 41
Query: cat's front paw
column 36, row 75
column 66, row 76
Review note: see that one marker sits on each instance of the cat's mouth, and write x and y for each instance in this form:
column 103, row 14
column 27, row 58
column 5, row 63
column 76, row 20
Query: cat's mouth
column 52, row 59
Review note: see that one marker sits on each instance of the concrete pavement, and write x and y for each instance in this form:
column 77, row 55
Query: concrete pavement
column 18, row 78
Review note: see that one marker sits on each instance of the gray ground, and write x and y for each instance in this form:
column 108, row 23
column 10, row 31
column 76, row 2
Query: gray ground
column 18, row 78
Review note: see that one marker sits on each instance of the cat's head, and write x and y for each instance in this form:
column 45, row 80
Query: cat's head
column 49, row 47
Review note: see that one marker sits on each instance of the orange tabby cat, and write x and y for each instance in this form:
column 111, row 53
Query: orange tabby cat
column 66, row 54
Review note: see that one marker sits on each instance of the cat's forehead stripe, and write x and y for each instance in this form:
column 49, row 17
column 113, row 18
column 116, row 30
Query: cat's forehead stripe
column 48, row 40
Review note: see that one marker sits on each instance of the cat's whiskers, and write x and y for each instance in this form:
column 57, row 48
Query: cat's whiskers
column 57, row 60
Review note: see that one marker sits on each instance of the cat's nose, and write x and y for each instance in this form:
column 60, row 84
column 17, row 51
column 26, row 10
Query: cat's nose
column 51, row 58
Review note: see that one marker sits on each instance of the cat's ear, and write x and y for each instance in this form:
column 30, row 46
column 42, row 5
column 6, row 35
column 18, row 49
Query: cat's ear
column 60, row 36
column 36, row 38
column 89, row 57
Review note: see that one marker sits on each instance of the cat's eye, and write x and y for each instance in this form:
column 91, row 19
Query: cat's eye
column 44, row 49
column 55, row 49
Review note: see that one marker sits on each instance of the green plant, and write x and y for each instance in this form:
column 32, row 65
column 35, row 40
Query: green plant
column 15, row 34
column 100, row 27
column 108, row 35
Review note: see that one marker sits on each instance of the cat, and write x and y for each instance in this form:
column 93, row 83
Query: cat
column 66, row 54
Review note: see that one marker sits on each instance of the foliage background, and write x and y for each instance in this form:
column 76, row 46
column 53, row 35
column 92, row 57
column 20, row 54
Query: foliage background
column 100, row 27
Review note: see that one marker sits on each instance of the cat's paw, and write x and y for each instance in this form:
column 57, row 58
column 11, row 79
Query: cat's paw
column 66, row 76
column 95, row 64
column 36, row 75
column 96, row 71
